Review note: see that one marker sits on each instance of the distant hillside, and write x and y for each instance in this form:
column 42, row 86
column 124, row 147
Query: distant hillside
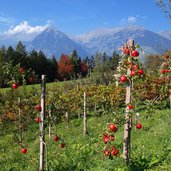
column 107, row 40
column 54, row 42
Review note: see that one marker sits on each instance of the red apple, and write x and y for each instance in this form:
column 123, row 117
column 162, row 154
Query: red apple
column 130, row 107
column 138, row 126
column 37, row 119
column 135, row 67
column 107, row 152
column 135, row 53
column 24, row 150
column 113, row 127
column 133, row 73
column 166, row 56
column 123, row 78
column 114, row 152
column 162, row 71
column 38, row 107
column 62, row 145
column 14, row 86
column 56, row 138
column 105, row 139
column 141, row 72
column 126, row 51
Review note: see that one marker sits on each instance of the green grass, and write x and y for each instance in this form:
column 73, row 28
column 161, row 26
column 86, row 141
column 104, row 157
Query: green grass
column 49, row 86
column 151, row 146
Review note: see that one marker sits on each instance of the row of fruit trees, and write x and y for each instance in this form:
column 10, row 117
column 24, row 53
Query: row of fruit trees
column 45, row 107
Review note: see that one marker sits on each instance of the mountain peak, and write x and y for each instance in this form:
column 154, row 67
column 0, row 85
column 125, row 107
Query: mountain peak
column 106, row 32
column 54, row 42
column 50, row 29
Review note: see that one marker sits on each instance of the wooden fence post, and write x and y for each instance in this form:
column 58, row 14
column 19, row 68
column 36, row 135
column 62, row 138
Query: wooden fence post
column 67, row 119
column 20, row 126
column 42, row 118
column 50, row 115
column 170, row 97
column 85, row 117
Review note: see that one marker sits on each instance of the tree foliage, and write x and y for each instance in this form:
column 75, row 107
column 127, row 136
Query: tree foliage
column 65, row 67
column 152, row 62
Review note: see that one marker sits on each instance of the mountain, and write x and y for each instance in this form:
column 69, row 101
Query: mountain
column 108, row 40
column 13, row 39
column 166, row 33
column 54, row 42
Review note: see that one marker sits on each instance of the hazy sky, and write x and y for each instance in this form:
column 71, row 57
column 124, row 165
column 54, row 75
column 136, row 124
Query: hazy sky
column 80, row 16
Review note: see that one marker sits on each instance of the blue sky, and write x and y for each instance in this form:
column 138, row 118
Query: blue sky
column 80, row 16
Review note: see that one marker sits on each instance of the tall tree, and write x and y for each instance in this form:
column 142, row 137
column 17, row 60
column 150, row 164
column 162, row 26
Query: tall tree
column 65, row 67
column 10, row 54
column 2, row 61
column 21, row 54
column 38, row 62
column 76, row 61
column 115, row 60
column 2, row 54
column 51, row 69
column 90, row 64
column 98, row 62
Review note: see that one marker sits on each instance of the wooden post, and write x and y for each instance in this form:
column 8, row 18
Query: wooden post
column 42, row 118
column 67, row 119
column 50, row 115
column 95, row 108
column 85, row 117
column 170, row 97
column 20, row 126
column 128, row 119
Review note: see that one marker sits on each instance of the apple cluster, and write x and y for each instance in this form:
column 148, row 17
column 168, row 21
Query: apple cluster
column 20, row 75
column 57, row 139
column 38, row 108
column 165, row 68
column 129, row 61
column 130, row 108
column 108, row 137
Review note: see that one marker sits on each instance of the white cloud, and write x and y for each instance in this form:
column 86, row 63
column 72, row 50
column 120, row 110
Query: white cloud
column 6, row 20
column 26, row 28
column 131, row 19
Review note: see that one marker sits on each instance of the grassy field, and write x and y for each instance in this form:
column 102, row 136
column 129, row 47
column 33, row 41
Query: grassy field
column 51, row 85
column 150, row 146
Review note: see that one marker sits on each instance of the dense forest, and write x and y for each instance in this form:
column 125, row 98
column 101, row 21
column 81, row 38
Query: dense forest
column 66, row 68
column 100, row 66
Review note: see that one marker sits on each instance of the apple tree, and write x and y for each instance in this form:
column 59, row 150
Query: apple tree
column 129, row 71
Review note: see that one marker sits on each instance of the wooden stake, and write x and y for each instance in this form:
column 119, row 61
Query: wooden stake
column 127, row 127
column 50, row 115
column 85, row 117
column 67, row 119
column 20, row 126
column 170, row 97
column 42, row 118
